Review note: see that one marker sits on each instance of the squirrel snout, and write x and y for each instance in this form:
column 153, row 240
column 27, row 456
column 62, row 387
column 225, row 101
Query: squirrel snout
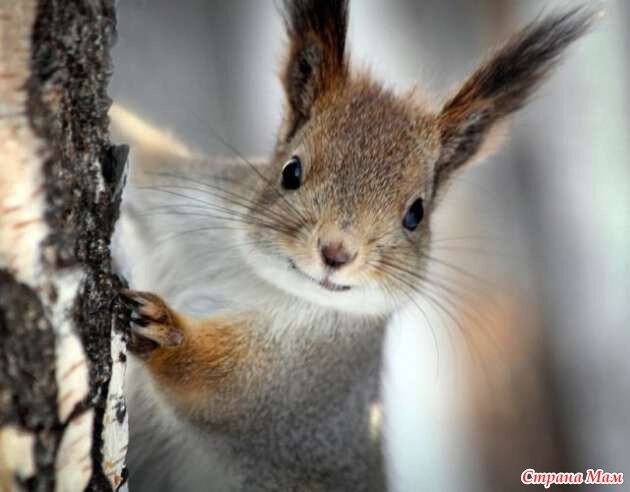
column 336, row 255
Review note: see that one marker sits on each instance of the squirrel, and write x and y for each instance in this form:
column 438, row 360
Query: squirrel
column 306, row 256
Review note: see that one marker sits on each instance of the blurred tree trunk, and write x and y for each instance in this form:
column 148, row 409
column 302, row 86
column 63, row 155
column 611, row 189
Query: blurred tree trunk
column 62, row 358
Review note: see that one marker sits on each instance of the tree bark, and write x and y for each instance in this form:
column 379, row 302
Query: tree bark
column 63, row 423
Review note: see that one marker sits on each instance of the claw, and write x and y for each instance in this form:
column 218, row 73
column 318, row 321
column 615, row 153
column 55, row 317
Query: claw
column 130, row 298
column 140, row 321
column 153, row 325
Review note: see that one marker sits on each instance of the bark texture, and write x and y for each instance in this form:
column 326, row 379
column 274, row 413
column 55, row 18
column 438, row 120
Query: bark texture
column 62, row 357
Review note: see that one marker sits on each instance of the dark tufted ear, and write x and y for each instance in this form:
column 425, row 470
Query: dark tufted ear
column 316, row 61
column 503, row 85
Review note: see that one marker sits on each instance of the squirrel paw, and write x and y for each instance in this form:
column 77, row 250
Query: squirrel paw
column 153, row 324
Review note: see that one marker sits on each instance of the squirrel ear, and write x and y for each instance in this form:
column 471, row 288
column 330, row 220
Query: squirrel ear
column 503, row 85
column 316, row 61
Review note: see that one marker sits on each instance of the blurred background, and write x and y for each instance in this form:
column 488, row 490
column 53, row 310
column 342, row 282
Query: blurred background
column 522, row 358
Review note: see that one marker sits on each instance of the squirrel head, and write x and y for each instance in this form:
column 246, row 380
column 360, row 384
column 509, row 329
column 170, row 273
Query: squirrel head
column 358, row 170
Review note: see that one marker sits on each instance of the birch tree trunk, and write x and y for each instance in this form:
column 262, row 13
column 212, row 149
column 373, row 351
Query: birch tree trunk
column 63, row 423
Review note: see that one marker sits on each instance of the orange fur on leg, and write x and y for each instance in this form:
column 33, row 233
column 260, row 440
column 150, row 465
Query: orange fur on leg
column 186, row 357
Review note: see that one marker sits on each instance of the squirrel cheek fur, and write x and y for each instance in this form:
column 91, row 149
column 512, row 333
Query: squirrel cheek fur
column 289, row 371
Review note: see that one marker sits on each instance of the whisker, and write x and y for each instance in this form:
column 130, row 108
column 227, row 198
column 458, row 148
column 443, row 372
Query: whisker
column 214, row 206
column 388, row 291
column 236, row 152
column 217, row 136
column 230, row 197
column 398, row 274
column 230, row 212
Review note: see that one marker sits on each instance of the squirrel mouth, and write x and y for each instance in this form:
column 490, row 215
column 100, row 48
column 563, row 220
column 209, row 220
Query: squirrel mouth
column 326, row 284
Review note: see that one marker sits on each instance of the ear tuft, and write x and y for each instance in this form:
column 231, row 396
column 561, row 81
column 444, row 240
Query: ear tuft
column 505, row 82
column 317, row 63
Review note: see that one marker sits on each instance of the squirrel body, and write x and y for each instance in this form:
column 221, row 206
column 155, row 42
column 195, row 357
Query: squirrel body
column 261, row 339
column 303, row 259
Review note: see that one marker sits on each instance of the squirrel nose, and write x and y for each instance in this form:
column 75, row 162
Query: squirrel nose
column 335, row 255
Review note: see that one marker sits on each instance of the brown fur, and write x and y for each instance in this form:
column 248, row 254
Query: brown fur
column 504, row 84
column 355, row 135
column 316, row 62
column 352, row 134
column 367, row 154
column 209, row 353
column 188, row 358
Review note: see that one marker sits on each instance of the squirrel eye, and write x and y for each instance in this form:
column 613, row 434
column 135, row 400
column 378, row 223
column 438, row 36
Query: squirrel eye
column 414, row 215
column 292, row 174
